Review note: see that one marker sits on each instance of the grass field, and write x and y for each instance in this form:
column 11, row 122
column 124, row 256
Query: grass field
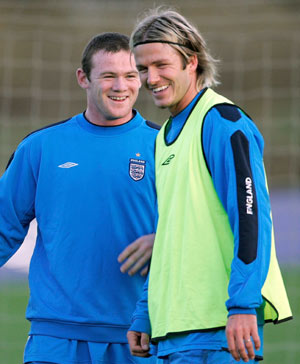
column 13, row 326
column 281, row 341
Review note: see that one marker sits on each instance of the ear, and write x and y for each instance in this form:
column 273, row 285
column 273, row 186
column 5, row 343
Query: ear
column 193, row 63
column 140, row 82
column 82, row 79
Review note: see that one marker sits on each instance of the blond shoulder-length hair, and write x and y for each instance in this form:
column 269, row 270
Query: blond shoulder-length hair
column 170, row 27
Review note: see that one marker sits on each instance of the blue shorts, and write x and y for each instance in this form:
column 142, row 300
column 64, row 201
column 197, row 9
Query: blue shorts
column 201, row 356
column 41, row 349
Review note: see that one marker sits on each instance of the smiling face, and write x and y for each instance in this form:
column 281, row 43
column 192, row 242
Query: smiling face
column 162, row 71
column 112, row 87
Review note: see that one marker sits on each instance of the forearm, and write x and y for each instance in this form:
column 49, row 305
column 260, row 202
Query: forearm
column 17, row 190
column 140, row 318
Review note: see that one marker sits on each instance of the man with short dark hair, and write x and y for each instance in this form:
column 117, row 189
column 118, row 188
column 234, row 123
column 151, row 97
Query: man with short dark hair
column 89, row 182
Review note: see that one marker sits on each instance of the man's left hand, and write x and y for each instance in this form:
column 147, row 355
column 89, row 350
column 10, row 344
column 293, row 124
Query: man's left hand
column 241, row 330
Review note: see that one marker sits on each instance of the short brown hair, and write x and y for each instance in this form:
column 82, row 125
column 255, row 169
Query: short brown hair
column 109, row 42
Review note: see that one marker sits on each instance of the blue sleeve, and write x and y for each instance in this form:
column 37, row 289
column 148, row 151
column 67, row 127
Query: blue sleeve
column 233, row 148
column 17, row 196
column 140, row 318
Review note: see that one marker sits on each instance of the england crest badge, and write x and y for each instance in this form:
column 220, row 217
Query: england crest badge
column 137, row 169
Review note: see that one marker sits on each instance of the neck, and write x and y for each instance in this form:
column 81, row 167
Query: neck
column 186, row 99
column 183, row 103
column 101, row 120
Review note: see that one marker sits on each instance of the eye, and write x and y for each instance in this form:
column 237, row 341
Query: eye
column 107, row 76
column 162, row 65
column 133, row 76
column 142, row 69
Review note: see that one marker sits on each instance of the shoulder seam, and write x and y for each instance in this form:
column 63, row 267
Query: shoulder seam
column 33, row 132
column 47, row 127
column 153, row 125
column 228, row 112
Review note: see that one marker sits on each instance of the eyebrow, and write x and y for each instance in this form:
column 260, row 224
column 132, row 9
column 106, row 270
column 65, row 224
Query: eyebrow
column 161, row 60
column 114, row 73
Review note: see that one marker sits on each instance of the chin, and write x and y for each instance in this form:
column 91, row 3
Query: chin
column 161, row 105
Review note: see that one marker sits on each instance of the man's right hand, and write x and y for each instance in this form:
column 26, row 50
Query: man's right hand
column 136, row 255
column 139, row 343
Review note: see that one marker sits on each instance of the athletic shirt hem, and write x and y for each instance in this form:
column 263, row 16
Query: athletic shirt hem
column 85, row 332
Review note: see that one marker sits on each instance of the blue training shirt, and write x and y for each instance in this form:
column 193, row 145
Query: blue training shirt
column 91, row 189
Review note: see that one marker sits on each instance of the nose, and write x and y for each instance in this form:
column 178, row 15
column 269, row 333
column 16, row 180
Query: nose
column 152, row 76
column 119, row 84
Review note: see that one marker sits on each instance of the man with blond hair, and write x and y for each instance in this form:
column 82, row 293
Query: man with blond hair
column 214, row 278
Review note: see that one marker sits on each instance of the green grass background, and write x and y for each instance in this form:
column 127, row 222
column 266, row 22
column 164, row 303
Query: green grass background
column 281, row 341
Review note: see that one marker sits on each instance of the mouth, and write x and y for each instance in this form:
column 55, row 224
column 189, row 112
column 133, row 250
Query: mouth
column 118, row 98
column 156, row 90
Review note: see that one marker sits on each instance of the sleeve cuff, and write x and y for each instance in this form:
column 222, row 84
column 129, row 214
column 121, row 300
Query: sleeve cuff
column 241, row 311
column 141, row 325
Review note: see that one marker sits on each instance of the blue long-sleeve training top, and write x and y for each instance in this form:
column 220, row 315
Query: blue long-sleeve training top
column 91, row 189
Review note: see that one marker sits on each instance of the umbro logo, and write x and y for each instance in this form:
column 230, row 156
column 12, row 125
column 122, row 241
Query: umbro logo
column 168, row 160
column 68, row 165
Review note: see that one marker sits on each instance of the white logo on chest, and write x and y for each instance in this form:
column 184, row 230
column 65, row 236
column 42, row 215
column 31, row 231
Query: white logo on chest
column 68, row 165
